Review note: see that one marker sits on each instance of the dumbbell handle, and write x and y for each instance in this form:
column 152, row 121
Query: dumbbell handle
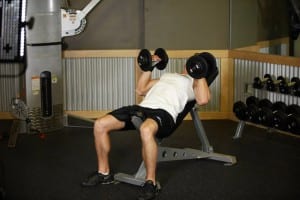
column 272, row 84
column 276, row 82
column 259, row 83
column 293, row 82
column 155, row 59
column 261, row 80
column 289, row 85
column 285, row 87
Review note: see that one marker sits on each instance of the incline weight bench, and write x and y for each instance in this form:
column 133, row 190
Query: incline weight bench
column 172, row 154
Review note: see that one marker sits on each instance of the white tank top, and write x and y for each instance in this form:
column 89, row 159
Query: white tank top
column 170, row 93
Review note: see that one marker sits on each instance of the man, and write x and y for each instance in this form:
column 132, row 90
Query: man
column 164, row 99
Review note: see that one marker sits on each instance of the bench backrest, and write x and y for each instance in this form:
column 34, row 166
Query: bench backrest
column 190, row 105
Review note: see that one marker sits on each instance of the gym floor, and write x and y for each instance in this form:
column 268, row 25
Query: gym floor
column 268, row 165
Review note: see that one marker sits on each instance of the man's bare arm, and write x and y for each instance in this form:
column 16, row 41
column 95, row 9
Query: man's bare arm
column 145, row 82
column 202, row 91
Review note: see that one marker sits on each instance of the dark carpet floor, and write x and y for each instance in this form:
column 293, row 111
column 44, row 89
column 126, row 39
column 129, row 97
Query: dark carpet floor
column 52, row 168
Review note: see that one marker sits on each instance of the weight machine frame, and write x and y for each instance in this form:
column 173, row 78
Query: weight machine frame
column 39, row 109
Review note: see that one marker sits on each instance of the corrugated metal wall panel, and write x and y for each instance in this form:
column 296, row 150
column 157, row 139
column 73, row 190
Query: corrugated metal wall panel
column 9, row 87
column 108, row 83
column 246, row 70
column 98, row 83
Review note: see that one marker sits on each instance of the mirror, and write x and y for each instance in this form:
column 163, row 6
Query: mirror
column 266, row 26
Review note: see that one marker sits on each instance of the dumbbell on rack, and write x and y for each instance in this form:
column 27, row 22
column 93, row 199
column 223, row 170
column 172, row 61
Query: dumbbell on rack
column 286, row 88
column 256, row 109
column 292, row 87
column 293, row 119
column 260, row 83
column 273, row 84
column 296, row 89
column 148, row 62
column 265, row 113
column 279, row 116
column 252, row 108
column 247, row 111
column 242, row 110
column 262, row 111
column 275, row 115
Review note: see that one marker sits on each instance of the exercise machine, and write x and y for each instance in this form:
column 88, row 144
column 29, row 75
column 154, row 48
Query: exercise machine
column 39, row 106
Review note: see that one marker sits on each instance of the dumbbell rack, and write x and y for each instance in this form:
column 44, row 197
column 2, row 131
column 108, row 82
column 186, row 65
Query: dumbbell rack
column 241, row 125
column 263, row 93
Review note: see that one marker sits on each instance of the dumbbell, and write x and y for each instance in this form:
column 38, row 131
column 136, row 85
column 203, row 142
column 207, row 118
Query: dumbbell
column 294, row 124
column 200, row 65
column 252, row 100
column 293, row 118
column 147, row 63
column 272, row 85
column 240, row 110
column 286, row 88
column 263, row 113
column 260, row 83
column 252, row 108
column 296, row 88
column 272, row 115
column 279, row 116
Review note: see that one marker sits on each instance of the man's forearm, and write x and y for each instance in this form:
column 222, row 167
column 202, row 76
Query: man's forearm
column 144, row 83
column 202, row 91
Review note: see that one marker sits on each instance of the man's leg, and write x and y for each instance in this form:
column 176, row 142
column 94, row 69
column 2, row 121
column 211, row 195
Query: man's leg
column 148, row 130
column 149, row 147
column 102, row 128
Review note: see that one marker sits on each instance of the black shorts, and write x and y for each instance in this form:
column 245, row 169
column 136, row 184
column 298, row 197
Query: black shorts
column 163, row 118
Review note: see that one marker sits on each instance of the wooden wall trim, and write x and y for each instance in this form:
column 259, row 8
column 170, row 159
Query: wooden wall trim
column 269, row 43
column 99, row 53
column 188, row 53
column 97, row 114
column 88, row 114
column 133, row 53
column 276, row 59
column 6, row 115
column 263, row 44
column 227, row 85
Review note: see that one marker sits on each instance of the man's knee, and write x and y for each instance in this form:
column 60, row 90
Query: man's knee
column 100, row 125
column 107, row 123
column 147, row 131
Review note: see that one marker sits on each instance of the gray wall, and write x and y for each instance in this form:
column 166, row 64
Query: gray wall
column 112, row 24
column 174, row 24
column 260, row 20
column 273, row 19
column 189, row 24
column 243, row 26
